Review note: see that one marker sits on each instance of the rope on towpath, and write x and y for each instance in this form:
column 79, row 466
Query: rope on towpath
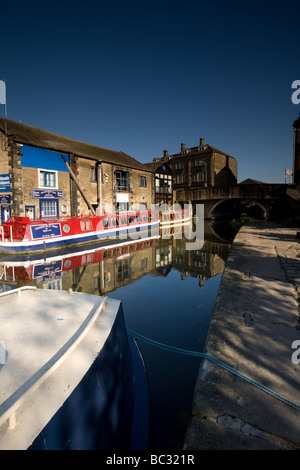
column 215, row 361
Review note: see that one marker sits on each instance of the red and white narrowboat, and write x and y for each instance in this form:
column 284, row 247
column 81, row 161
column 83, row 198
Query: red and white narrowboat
column 23, row 235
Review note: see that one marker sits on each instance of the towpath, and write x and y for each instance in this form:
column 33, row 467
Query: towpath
column 254, row 325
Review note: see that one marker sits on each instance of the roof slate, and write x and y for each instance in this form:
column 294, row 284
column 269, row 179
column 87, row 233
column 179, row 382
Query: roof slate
column 29, row 135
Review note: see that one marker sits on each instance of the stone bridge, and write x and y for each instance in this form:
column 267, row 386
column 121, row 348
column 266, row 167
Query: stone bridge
column 218, row 199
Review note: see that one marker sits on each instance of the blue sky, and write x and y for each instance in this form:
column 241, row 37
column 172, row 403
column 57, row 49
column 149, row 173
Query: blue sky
column 144, row 76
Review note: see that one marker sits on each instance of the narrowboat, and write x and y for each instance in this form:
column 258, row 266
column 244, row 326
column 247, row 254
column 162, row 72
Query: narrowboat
column 72, row 376
column 170, row 218
column 22, row 234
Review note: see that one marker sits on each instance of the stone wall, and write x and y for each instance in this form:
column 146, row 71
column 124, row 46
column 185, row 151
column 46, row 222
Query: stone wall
column 15, row 171
column 4, row 167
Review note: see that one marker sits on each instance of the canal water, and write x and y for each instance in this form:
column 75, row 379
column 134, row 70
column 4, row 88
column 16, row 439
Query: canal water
column 168, row 294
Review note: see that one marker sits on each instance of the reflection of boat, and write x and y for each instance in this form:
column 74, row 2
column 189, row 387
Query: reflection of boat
column 18, row 269
column 71, row 377
column 21, row 234
column 174, row 217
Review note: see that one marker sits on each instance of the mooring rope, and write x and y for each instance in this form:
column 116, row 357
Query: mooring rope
column 215, row 361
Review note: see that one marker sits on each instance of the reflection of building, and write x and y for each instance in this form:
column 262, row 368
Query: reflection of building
column 163, row 184
column 36, row 181
column 203, row 264
column 100, row 271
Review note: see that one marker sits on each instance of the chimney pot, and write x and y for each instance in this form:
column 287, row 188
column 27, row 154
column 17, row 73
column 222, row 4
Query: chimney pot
column 182, row 147
column 201, row 141
column 166, row 153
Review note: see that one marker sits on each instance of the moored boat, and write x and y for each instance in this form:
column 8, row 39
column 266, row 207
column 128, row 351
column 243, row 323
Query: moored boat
column 170, row 218
column 68, row 373
column 21, row 234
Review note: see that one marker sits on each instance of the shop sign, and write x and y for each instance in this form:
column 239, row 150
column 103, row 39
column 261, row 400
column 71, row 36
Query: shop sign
column 5, row 199
column 4, row 183
column 122, row 197
column 47, row 194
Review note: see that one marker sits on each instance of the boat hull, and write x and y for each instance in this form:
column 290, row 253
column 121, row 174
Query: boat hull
column 68, row 375
column 69, row 241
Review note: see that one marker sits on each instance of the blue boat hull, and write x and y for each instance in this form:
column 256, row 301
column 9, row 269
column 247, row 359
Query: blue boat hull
column 109, row 409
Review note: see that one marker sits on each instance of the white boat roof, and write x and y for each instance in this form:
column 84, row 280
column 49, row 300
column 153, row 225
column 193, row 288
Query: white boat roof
column 48, row 340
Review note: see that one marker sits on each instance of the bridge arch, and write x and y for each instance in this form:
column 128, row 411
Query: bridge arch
column 229, row 204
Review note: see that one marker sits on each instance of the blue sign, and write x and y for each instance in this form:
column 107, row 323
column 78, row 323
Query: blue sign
column 4, row 183
column 47, row 269
column 47, row 194
column 45, row 231
column 5, row 199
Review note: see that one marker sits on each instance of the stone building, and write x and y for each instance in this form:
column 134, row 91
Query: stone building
column 200, row 166
column 296, row 163
column 43, row 174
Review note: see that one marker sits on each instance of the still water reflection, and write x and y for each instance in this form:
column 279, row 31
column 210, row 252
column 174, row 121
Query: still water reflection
column 168, row 295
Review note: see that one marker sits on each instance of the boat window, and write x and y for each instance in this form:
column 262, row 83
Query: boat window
column 145, row 218
column 105, row 223
column 139, row 218
column 114, row 222
column 131, row 219
column 86, row 225
column 106, row 254
column 123, row 220
column 87, row 259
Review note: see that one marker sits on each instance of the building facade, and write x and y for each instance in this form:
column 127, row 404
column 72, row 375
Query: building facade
column 200, row 166
column 163, row 183
column 43, row 174
column 296, row 162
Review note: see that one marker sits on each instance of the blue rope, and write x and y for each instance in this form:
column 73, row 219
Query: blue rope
column 215, row 361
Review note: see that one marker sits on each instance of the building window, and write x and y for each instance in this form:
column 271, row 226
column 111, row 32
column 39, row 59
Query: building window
column 199, row 162
column 178, row 166
column 143, row 182
column 123, row 269
column 49, row 208
column 94, row 177
column 122, row 206
column 179, row 179
column 163, row 183
column 199, row 177
column 122, row 180
column 47, row 179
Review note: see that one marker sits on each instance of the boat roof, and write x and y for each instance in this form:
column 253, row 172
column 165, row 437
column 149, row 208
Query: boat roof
column 48, row 341
column 50, row 220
